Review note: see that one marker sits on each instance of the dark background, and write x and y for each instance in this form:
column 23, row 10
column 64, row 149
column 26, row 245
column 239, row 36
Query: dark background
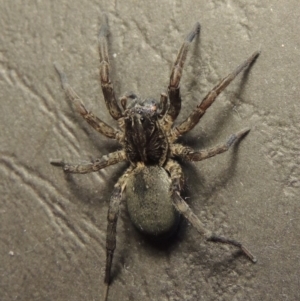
column 53, row 227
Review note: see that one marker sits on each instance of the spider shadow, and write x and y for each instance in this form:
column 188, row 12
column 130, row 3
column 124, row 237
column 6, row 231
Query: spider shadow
column 190, row 80
column 220, row 267
column 240, row 82
column 207, row 191
column 228, row 262
column 155, row 248
column 77, row 185
column 219, row 122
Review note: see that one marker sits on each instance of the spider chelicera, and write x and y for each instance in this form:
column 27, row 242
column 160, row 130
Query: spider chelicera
column 146, row 132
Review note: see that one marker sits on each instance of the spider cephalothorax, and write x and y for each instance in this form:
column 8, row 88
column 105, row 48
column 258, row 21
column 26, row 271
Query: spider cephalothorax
column 148, row 137
column 144, row 140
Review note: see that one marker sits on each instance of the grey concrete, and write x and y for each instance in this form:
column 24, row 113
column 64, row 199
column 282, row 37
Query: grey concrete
column 52, row 227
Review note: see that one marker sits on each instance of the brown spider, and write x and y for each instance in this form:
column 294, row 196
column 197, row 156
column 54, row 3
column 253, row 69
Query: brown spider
column 154, row 178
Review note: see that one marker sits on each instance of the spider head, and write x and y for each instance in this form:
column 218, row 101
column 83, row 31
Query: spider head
column 141, row 117
column 142, row 130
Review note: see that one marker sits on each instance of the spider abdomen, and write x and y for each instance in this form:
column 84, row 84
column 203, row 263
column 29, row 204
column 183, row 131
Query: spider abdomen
column 148, row 201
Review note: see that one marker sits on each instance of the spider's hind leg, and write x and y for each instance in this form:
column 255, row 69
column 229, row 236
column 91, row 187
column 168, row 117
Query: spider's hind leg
column 112, row 219
column 176, row 174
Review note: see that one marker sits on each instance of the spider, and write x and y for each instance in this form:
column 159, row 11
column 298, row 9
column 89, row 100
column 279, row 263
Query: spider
column 154, row 179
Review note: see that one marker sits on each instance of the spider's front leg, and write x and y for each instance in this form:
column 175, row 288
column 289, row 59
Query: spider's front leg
column 207, row 101
column 176, row 177
column 107, row 160
column 176, row 73
column 90, row 118
column 106, row 84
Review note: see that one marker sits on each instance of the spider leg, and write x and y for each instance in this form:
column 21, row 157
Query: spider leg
column 163, row 104
column 174, row 89
column 176, row 177
column 187, row 153
column 107, row 160
column 112, row 219
column 91, row 119
column 207, row 101
column 128, row 96
column 106, row 84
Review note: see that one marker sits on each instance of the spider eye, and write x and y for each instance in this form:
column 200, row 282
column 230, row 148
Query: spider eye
column 142, row 119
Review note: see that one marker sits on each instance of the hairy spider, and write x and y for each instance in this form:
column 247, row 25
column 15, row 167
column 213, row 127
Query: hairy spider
column 154, row 178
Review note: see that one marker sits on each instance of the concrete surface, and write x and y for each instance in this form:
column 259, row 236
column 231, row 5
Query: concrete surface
column 52, row 226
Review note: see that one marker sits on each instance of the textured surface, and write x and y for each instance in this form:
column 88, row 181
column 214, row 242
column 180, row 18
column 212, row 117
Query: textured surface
column 52, row 227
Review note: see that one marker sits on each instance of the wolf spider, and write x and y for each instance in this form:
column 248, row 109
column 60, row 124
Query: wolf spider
column 154, row 178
